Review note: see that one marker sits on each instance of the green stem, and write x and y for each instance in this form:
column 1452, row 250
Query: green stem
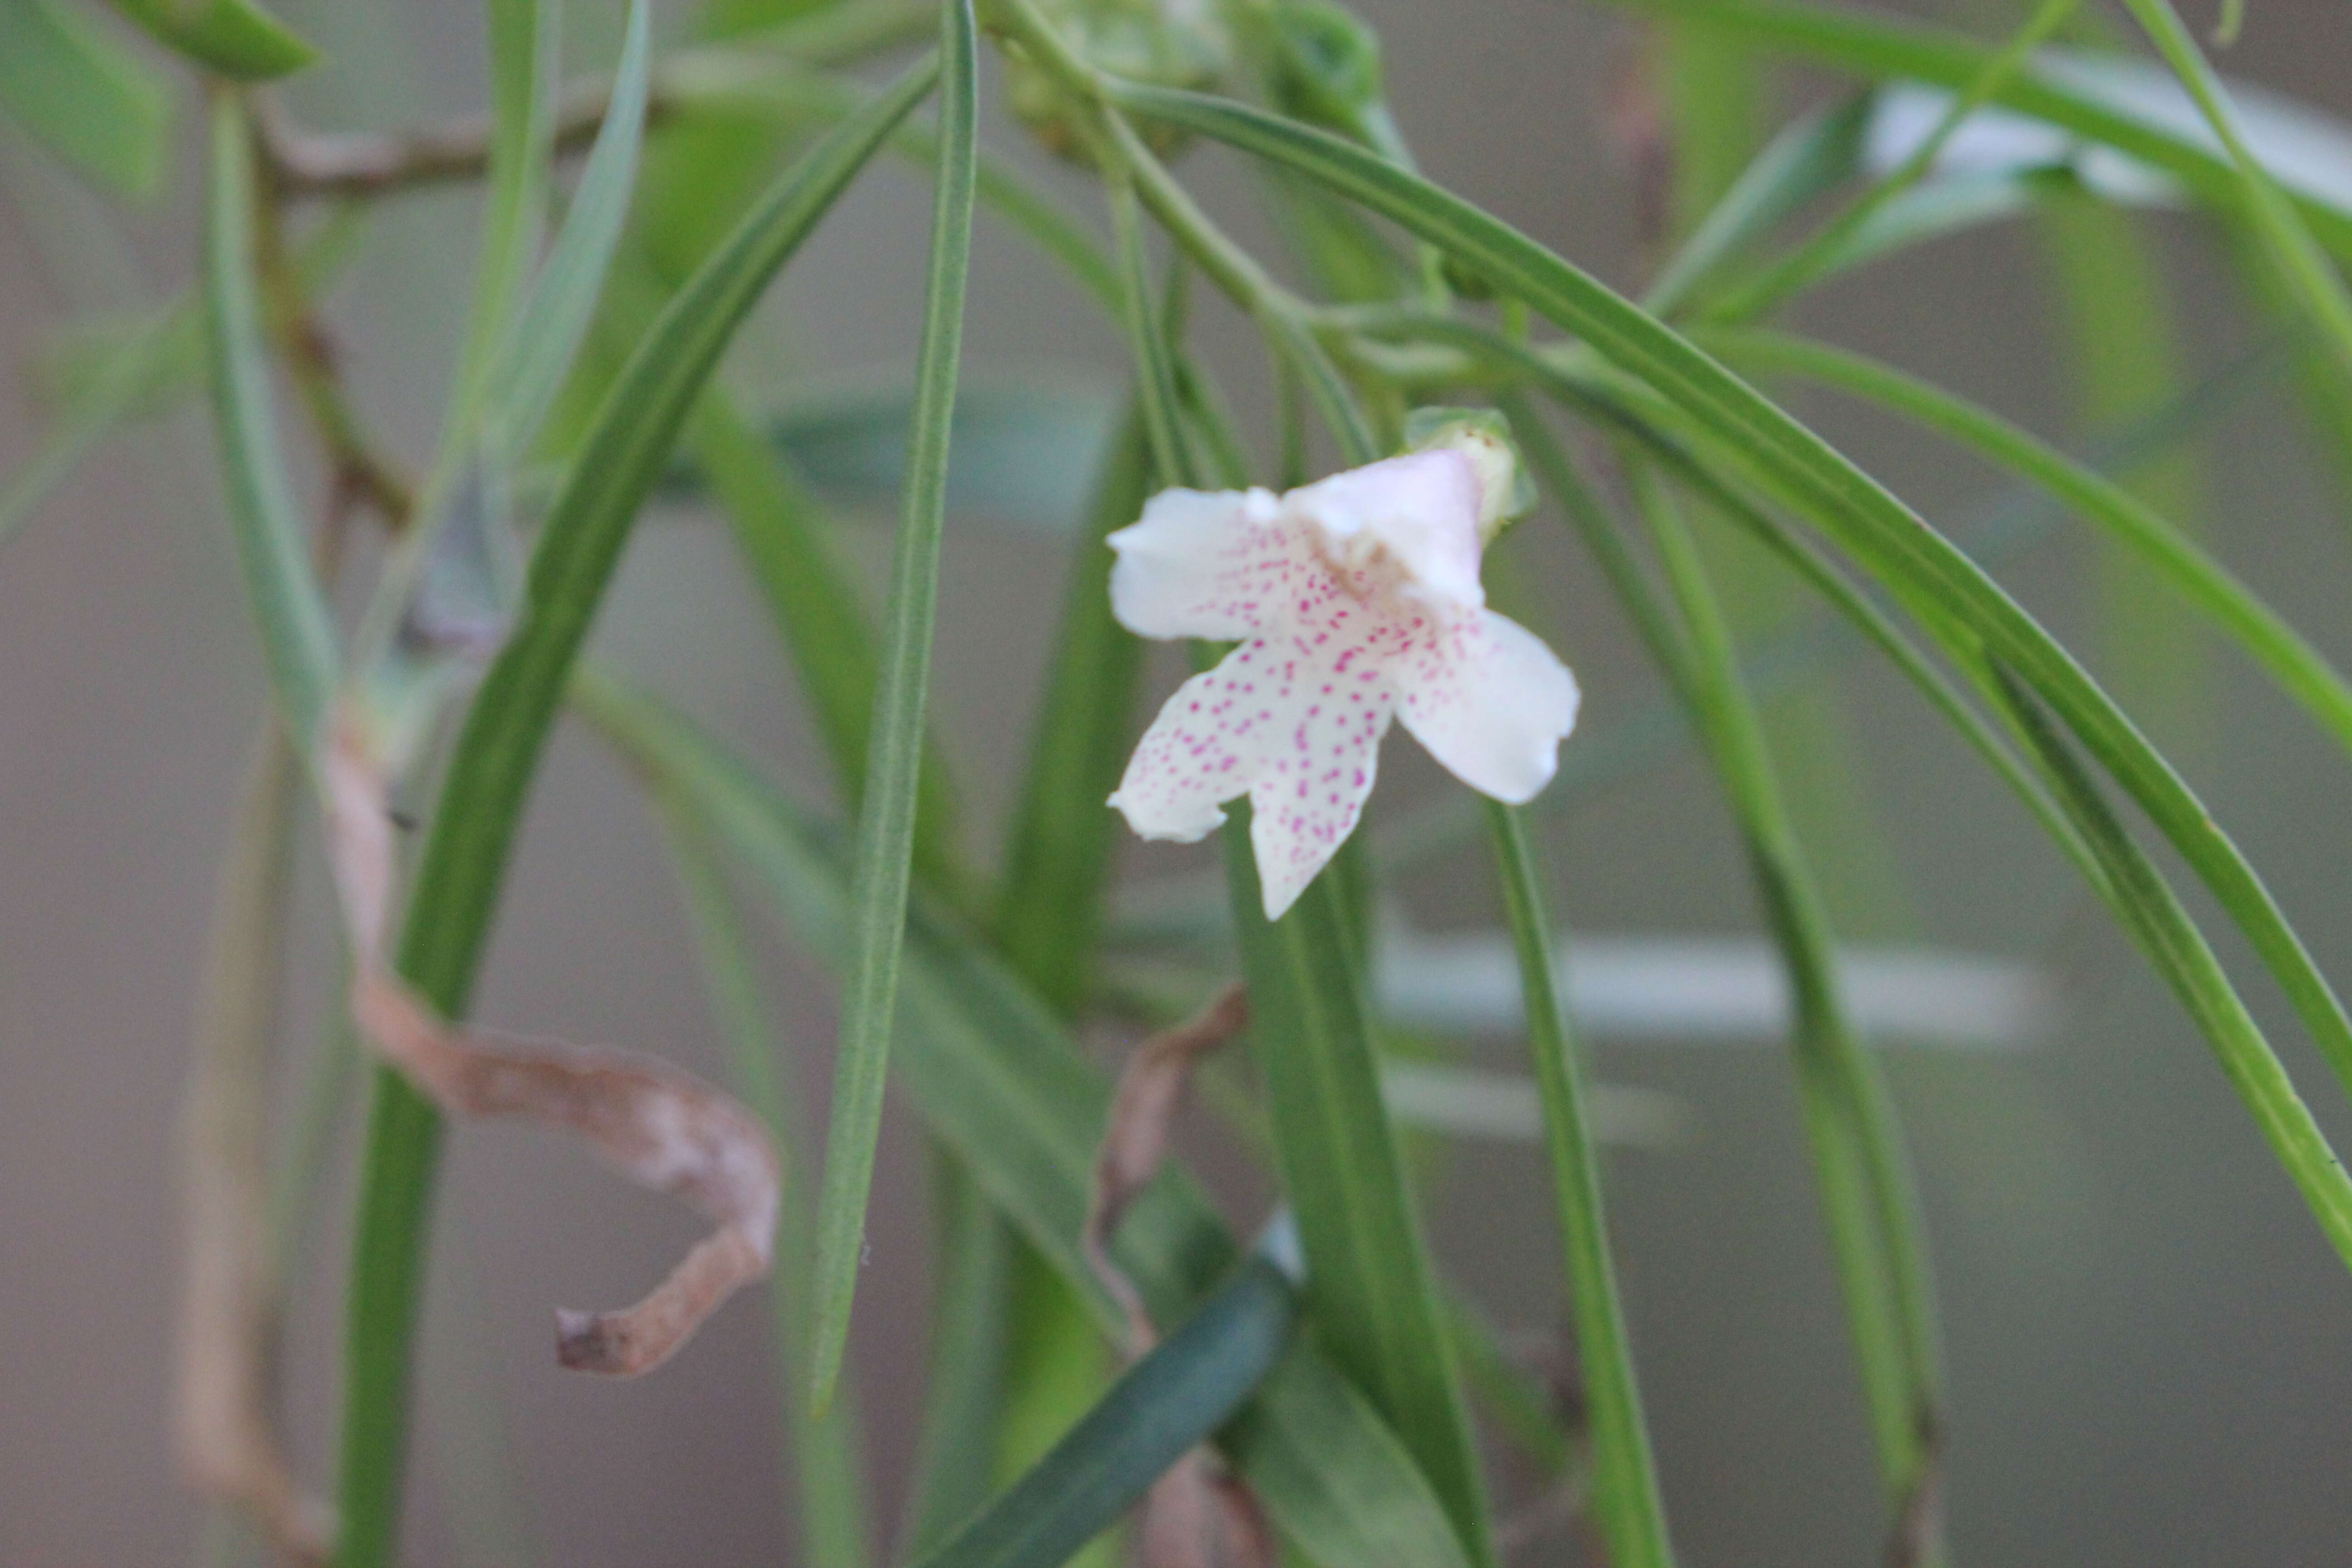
column 1631, row 1514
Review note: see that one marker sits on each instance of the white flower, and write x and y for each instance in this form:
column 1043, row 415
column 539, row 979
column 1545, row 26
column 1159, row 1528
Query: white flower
column 1355, row 600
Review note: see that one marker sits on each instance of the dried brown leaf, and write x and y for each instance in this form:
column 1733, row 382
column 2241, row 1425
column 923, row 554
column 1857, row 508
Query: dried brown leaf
column 222, row 1434
column 664, row 1128
column 1142, row 1119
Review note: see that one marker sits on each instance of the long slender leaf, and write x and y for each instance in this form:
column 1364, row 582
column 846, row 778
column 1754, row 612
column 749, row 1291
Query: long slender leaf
column 2301, row 669
column 81, row 95
column 1368, row 1290
column 885, row 817
column 1859, row 1164
column 1820, row 250
column 1626, row 1478
column 1864, row 1187
column 497, row 755
column 818, row 614
column 1174, row 1398
column 1001, row 1083
column 1890, row 540
column 546, row 332
column 235, row 37
column 289, row 611
column 2152, row 914
column 1814, row 154
column 2175, row 948
column 1048, row 911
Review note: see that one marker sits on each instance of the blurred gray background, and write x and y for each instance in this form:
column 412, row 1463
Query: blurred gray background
column 2150, row 1348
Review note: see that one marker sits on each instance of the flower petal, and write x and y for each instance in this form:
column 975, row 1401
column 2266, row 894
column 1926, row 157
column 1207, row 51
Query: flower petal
column 1201, row 564
column 1296, row 729
column 1490, row 701
column 1420, row 510
column 1320, row 761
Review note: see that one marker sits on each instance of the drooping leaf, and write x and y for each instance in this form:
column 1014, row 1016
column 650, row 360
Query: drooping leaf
column 885, row 837
column 1762, row 441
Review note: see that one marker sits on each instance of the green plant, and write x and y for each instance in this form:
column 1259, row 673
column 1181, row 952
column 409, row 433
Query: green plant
column 587, row 380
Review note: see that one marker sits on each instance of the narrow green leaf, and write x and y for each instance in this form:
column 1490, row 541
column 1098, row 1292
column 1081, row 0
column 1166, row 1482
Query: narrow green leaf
column 1058, row 865
column 235, row 37
column 290, row 610
column 2175, row 950
column 545, row 334
column 1171, row 1399
column 1369, row 1287
column 1625, row 1478
column 497, row 755
column 1864, row 1187
column 1155, row 397
column 1893, row 543
column 2150, row 910
column 81, row 95
column 819, row 615
column 1001, row 1083
column 1714, row 103
column 2301, row 669
column 1859, row 1163
column 894, row 759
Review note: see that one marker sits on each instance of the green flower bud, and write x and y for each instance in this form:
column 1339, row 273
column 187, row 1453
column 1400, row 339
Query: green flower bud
column 1506, row 492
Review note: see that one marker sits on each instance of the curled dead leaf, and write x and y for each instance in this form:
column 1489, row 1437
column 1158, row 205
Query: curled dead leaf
column 664, row 1128
column 1197, row 1515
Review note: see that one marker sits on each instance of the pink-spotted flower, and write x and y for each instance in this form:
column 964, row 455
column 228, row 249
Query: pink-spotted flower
column 1355, row 600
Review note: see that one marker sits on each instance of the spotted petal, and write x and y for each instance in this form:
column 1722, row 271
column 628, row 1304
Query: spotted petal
column 1490, row 701
column 1204, row 564
column 1294, row 729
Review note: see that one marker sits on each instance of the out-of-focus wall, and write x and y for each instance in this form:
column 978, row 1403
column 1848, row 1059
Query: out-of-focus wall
column 2150, row 1348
